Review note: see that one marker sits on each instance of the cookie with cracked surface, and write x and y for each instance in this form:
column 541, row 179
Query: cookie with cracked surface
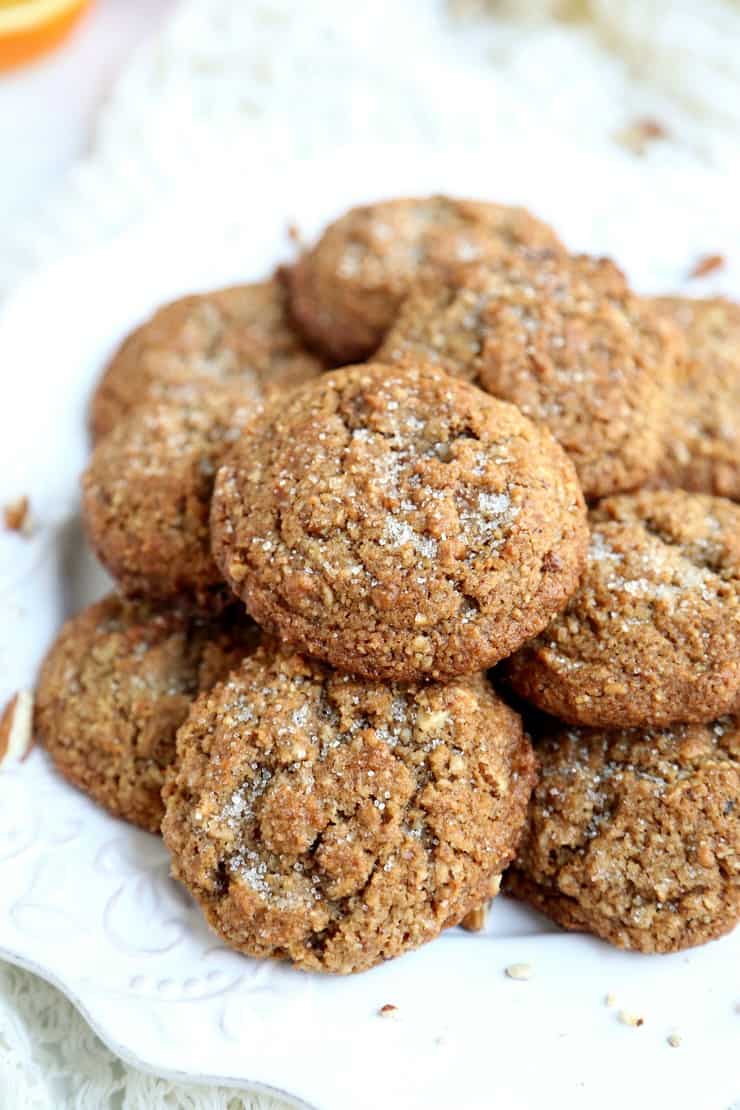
column 115, row 687
column 399, row 523
column 241, row 335
column 147, row 495
column 702, row 444
column 564, row 339
column 635, row 834
column 336, row 822
column 652, row 635
column 346, row 290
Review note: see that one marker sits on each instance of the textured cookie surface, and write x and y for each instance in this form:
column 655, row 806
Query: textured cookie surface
column 116, row 686
column 147, row 495
column 563, row 338
column 336, row 822
column 635, row 834
column 346, row 291
column 399, row 523
column 702, row 443
column 652, row 635
column 240, row 335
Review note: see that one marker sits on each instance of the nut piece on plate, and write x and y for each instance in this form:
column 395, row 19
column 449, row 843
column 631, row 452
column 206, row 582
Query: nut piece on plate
column 16, row 728
column 346, row 290
column 115, row 687
column 702, row 441
column 239, row 336
column 635, row 834
column 399, row 523
column 652, row 635
column 324, row 819
column 563, row 338
column 147, row 495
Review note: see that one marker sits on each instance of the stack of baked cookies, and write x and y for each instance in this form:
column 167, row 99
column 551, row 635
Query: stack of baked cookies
column 340, row 775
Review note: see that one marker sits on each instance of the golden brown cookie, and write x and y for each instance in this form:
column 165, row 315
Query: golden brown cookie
column 337, row 823
column 564, row 339
column 652, row 635
column 635, row 835
column 346, row 290
column 114, row 689
column 147, row 495
column 399, row 523
column 241, row 335
column 702, row 443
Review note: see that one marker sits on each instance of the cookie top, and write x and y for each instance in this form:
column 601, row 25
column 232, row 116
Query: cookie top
column 115, row 687
column 652, row 635
column 337, row 823
column 635, row 834
column 346, row 290
column 240, row 335
column 399, row 523
column 565, row 339
column 147, row 494
column 702, row 443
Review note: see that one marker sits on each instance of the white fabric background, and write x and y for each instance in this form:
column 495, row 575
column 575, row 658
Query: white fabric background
column 230, row 83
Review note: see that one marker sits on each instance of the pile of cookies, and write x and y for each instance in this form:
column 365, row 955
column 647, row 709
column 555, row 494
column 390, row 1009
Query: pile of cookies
column 428, row 566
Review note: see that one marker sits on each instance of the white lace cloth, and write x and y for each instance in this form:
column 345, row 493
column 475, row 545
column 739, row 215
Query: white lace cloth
column 230, row 83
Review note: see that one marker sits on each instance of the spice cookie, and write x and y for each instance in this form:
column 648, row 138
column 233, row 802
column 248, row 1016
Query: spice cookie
column 652, row 635
column 702, row 444
column 337, row 823
column 147, row 495
column 240, row 335
column 399, row 523
column 116, row 686
column 635, row 835
column 346, row 290
column 564, row 339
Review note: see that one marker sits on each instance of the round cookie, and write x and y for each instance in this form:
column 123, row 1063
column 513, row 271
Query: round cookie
column 147, row 494
column 399, row 523
column 702, row 444
column 337, row 823
column 564, row 339
column 115, row 687
column 346, row 290
column 652, row 635
column 241, row 335
column 635, row 835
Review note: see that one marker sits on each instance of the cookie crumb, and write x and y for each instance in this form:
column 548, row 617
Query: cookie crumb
column 16, row 516
column 388, row 1010
column 707, row 264
column 674, row 1039
column 475, row 920
column 610, row 1000
column 638, row 135
column 626, row 1018
column 16, row 728
column 294, row 234
column 520, row 971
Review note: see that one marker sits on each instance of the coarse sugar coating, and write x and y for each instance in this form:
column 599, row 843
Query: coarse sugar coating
column 702, row 441
column 346, row 290
column 562, row 337
column 652, row 634
column 635, row 834
column 336, row 822
column 240, row 335
column 115, row 687
column 399, row 523
column 147, row 495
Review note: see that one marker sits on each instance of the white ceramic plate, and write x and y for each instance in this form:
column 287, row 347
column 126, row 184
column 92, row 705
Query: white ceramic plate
column 86, row 901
